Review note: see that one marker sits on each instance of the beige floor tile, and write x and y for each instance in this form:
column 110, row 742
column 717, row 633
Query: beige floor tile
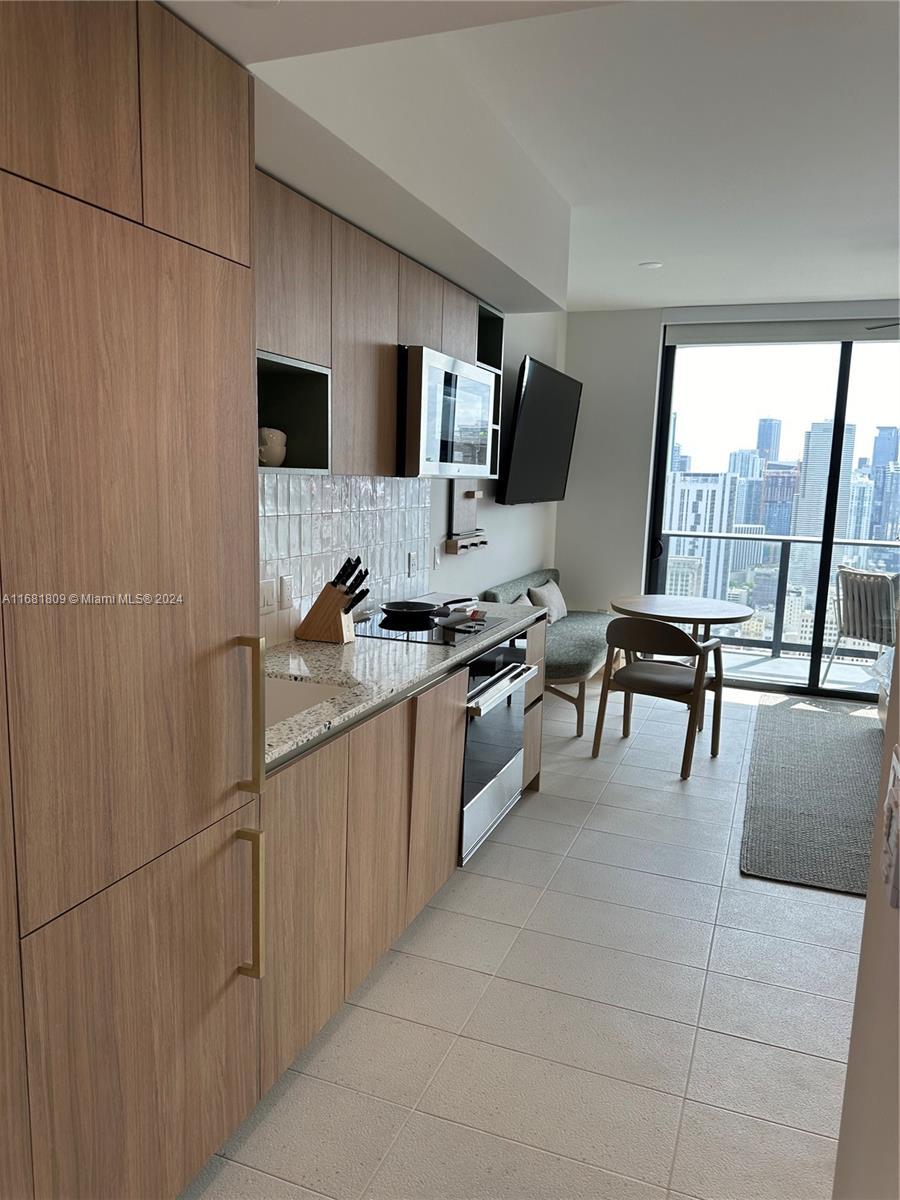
column 724, row 1156
column 682, row 862
column 671, row 781
column 638, row 889
column 772, row 887
column 768, row 1082
column 785, row 963
column 435, row 1159
column 576, row 787
column 533, row 834
column 588, row 1117
column 375, row 1053
column 668, row 758
column 420, row 989
column 732, row 737
column 675, row 939
column 782, row 917
column 454, row 938
column 577, row 760
column 691, row 808
column 224, row 1180
column 323, row 1137
column 658, row 827
column 649, row 985
column 532, row 867
column 582, row 1033
column 779, row 1016
column 543, row 807
column 481, row 896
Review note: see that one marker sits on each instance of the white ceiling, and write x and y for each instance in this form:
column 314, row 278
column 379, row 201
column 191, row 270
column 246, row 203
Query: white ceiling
column 750, row 146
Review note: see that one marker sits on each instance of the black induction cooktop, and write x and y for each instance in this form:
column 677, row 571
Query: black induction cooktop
column 446, row 632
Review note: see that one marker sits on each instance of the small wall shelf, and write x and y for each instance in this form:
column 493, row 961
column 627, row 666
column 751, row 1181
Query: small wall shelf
column 295, row 397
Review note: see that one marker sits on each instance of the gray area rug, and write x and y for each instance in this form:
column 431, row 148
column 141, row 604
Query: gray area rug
column 812, row 792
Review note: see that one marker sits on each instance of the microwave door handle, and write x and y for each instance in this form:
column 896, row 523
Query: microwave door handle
column 512, row 680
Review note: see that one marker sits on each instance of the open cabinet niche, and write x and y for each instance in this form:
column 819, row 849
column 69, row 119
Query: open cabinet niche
column 295, row 397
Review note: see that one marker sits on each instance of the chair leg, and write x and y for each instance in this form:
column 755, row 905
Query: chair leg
column 701, row 716
column 579, row 708
column 837, row 642
column 717, row 721
column 626, row 715
column 601, row 716
column 690, row 738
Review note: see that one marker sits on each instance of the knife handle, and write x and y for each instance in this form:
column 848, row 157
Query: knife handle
column 356, row 600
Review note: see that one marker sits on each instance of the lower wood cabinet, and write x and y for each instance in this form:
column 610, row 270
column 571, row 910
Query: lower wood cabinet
column 377, row 838
column 531, row 767
column 304, row 814
column 142, row 1034
column 435, row 808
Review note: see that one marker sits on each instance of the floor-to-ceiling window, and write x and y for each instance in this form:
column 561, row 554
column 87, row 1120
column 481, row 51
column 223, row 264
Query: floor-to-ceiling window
column 777, row 484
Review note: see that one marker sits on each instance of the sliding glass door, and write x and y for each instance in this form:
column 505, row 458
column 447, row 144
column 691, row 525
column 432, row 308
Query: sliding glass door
column 777, row 485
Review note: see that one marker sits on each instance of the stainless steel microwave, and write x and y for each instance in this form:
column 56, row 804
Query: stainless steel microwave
column 452, row 415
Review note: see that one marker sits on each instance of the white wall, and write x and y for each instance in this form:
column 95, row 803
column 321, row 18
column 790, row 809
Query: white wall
column 521, row 537
column 601, row 525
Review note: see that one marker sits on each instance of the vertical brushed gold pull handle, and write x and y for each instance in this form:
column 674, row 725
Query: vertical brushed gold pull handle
column 257, row 839
column 257, row 646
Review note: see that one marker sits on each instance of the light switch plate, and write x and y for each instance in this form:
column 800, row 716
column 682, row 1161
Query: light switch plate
column 285, row 591
column 267, row 595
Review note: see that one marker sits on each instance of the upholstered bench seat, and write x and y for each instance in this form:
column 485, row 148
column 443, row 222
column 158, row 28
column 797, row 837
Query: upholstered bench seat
column 576, row 644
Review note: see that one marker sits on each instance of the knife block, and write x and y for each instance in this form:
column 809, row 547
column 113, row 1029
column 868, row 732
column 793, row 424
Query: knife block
column 326, row 621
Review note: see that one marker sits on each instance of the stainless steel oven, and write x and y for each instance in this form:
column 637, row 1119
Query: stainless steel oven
column 492, row 770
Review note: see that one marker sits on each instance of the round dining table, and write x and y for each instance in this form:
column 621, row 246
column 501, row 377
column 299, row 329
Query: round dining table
column 700, row 612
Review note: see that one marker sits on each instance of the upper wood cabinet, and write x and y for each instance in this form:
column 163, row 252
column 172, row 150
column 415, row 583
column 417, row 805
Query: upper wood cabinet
column 439, row 745
column 377, row 838
column 292, row 269
column 304, row 813
column 195, row 135
column 365, row 286
column 127, row 437
column 142, row 1034
column 69, row 114
column 15, row 1149
column 421, row 305
column 460, row 324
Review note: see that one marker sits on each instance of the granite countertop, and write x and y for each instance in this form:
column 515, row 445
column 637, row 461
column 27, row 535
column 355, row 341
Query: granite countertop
column 371, row 671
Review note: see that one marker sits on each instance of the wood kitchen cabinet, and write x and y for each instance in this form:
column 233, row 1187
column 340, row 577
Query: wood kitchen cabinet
column 304, row 814
column 15, row 1149
column 435, row 809
column 127, row 437
column 292, row 270
column 377, row 838
column 459, row 337
column 365, row 291
column 142, row 1033
column 196, row 139
column 421, row 305
column 69, row 117
column 531, row 766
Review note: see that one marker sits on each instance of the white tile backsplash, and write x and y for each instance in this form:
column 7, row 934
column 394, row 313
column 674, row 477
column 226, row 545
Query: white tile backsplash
column 308, row 525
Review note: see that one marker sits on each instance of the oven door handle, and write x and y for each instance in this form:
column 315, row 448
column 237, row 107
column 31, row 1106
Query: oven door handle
column 508, row 681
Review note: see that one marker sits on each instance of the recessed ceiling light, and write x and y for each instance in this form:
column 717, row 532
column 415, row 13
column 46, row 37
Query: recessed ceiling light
column 651, row 265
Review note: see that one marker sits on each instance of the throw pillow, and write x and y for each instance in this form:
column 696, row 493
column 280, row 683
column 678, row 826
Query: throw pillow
column 550, row 597
column 523, row 599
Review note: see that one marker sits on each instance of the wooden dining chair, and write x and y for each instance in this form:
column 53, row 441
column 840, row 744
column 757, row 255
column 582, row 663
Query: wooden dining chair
column 666, row 680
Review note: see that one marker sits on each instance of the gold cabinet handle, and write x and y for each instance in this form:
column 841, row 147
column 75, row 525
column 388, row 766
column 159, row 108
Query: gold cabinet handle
column 257, row 839
column 257, row 647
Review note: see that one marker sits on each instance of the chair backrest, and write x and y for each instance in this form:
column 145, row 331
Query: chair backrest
column 645, row 636
column 867, row 605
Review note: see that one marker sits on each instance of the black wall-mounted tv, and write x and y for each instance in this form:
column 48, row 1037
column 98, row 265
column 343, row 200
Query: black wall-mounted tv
column 543, row 430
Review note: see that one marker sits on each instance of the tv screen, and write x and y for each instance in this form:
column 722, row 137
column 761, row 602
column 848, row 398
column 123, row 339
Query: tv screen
column 543, row 430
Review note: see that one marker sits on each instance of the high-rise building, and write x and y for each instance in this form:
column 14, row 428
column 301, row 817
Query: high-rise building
column 702, row 502
column 768, row 438
column 677, row 460
column 886, row 446
column 684, row 576
column 747, row 554
column 779, row 487
column 748, row 465
column 859, row 513
column 884, row 455
column 812, row 488
column 889, row 524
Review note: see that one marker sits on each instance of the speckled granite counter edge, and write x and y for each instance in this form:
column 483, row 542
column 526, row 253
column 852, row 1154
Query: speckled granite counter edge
column 372, row 674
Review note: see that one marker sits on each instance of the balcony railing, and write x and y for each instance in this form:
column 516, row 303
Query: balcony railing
column 777, row 645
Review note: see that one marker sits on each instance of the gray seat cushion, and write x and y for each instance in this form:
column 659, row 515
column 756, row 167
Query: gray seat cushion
column 508, row 593
column 657, row 678
column 576, row 646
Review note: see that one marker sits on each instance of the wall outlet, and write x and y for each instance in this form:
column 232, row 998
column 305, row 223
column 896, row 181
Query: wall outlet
column 435, row 557
column 285, row 591
column 267, row 595
column 412, row 563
